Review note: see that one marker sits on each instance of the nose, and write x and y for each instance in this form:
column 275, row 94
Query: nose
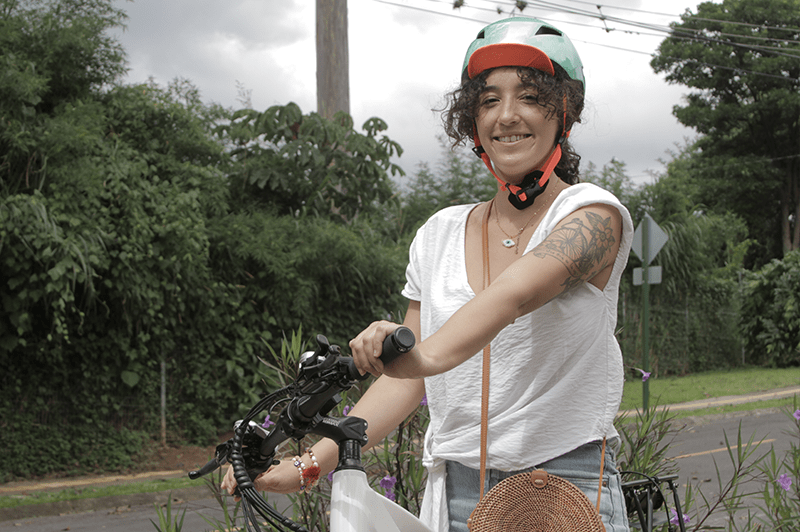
column 509, row 114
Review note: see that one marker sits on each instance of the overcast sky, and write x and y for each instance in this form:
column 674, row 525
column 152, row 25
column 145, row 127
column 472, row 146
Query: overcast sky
column 404, row 56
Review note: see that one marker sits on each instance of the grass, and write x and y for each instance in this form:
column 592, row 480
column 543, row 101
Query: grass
column 93, row 492
column 673, row 390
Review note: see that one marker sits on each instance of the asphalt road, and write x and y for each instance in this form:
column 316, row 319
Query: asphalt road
column 699, row 450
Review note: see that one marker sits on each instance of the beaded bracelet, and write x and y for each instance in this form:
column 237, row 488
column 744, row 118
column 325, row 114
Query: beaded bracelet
column 309, row 476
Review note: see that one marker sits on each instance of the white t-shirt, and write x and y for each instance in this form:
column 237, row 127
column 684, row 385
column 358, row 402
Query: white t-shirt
column 556, row 373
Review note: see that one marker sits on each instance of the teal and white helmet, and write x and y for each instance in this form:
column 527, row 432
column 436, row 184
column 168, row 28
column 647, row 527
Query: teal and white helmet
column 525, row 42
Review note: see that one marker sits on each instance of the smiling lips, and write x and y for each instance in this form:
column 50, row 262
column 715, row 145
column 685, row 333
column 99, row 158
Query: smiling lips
column 512, row 138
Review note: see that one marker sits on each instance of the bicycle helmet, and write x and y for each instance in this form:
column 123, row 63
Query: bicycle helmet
column 523, row 42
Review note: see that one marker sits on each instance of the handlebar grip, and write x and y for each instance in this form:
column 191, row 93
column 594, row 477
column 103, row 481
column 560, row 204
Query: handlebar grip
column 401, row 341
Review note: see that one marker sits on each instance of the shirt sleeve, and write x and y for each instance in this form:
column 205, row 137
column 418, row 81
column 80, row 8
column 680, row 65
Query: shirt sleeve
column 412, row 289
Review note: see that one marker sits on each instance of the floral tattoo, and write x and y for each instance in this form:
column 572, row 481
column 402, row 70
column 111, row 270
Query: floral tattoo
column 581, row 248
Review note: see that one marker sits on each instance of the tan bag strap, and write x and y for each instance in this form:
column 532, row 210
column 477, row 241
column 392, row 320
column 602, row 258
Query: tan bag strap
column 485, row 378
column 486, row 354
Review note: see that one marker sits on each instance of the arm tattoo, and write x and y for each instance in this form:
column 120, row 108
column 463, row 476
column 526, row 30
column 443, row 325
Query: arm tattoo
column 581, row 248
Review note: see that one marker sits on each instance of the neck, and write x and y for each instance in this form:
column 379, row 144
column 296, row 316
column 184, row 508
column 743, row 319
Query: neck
column 518, row 217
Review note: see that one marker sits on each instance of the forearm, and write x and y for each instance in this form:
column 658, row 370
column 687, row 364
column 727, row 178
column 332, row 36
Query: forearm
column 384, row 406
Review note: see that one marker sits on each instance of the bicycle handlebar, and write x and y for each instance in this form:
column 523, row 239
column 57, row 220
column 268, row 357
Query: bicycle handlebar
column 322, row 375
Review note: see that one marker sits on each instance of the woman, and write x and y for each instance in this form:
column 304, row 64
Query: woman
column 540, row 287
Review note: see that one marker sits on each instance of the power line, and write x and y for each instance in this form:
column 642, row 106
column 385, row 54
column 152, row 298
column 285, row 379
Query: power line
column 662, row 29
column 694, row 16
column 558, row 7
column 672, row 31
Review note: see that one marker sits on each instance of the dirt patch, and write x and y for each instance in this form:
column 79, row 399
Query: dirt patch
column 177, row 457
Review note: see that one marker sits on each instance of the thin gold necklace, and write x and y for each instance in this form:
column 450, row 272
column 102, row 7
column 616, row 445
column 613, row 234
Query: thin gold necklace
column 513, row 241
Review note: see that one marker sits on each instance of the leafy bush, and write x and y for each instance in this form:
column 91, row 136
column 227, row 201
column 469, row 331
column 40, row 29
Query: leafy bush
column 771, row 313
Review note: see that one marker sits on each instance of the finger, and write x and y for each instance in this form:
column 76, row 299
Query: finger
column 366, row 347
column 229, row 482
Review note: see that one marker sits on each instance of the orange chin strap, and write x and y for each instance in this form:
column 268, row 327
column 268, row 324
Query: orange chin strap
column 533, row 184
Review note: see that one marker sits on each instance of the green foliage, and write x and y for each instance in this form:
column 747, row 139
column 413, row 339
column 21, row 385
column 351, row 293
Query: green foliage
column 612, row 177
column 770, row 318
column 399, row 460
column 780, row 496
column 166, row 522
column 129, row 239
column 305, row 164
column 646, row 436
column 458, row 178
column 694, row 310
column 740, row 59
column 51, row 54
column 74, row 448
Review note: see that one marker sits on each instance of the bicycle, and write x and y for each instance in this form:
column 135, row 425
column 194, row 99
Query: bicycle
column 323, row 375
column 355, row 507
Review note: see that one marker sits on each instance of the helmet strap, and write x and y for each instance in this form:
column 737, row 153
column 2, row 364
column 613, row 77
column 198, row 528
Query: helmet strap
column 534, row 183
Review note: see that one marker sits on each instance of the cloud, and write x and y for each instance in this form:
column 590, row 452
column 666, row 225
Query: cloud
column 402, row 61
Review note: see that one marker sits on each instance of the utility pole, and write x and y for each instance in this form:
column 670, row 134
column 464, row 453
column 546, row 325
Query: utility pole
column 333, row 68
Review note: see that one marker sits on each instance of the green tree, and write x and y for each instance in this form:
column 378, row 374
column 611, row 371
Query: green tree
column 304, row 164
column 457, row 178
column 771, row 313
column 695, row 307
column 52, row 54
column 141, row 227
column 742, row 59
column 613, row 178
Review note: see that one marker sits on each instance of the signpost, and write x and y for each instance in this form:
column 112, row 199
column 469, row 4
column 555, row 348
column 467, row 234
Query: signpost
column 648, row 239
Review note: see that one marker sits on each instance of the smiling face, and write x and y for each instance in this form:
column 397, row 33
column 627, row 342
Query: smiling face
column 516, row 131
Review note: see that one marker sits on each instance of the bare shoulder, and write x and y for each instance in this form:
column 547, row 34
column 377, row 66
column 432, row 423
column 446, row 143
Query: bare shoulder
column 586, row 242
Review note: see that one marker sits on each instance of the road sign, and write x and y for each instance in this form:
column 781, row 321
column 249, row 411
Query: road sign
column 648, row 239
column 653, row 275
column 656, row 238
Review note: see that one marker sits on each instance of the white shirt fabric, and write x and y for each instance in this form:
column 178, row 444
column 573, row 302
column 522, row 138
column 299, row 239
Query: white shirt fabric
column 556, row 373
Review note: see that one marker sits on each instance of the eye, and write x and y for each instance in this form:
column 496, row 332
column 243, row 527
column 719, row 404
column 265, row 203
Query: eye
column 489, row 100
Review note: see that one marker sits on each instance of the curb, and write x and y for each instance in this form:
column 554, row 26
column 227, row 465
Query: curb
column 724, row 401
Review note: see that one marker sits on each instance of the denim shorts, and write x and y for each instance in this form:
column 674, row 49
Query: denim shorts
column 580, row 466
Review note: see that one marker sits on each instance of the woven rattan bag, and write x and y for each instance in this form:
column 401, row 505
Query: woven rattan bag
column 535, row 501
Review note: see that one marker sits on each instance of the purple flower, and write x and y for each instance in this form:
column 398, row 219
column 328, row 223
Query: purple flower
column 267, row 423
column 675, row 520
column 346, row 409
column 785, row 481
column 796, row 415
column 645, row 374
column 387, row 483
column 330, row 476
column 424, row 401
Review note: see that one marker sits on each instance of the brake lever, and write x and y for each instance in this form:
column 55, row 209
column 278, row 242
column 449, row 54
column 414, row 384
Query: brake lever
column 220, row 457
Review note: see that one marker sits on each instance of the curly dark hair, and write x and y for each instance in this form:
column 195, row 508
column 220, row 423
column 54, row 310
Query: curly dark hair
column 462, row 109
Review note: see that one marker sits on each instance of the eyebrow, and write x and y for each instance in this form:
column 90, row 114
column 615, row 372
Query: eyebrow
column 520, row 85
